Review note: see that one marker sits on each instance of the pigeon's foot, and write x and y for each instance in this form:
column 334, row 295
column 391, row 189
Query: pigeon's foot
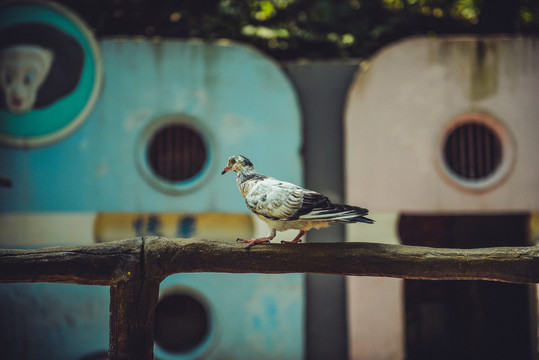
column 252, row 242
column 296, row 240
column 290, row 242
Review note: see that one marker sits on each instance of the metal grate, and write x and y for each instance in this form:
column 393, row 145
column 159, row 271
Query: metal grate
column 473, row 151
column 177, row 152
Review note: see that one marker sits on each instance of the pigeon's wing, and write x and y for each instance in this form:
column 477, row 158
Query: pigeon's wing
column 317, row 207
column 274, row 199
column 313, row 204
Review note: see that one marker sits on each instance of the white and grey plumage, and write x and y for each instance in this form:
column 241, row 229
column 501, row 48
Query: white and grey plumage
column 283, row 206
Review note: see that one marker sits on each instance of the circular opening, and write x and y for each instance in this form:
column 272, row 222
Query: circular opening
column 476, row 152
column 177, row 152
column 181, row 324
column 174, row 153
column 473, row 151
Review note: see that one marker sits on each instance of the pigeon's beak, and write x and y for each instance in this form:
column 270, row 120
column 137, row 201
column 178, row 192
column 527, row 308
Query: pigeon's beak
column 227, row 169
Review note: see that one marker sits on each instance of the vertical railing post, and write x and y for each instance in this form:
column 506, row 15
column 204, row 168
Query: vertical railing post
column 132, row 305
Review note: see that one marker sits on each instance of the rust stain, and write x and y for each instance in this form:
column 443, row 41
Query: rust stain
column 484, row 70
column 474, row 62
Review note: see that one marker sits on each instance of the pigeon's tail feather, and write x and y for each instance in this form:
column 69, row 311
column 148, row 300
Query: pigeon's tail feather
column 362, row 219
column 338, row 213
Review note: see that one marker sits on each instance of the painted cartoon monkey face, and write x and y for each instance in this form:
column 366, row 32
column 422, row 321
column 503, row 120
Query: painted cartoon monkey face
column 23, row 69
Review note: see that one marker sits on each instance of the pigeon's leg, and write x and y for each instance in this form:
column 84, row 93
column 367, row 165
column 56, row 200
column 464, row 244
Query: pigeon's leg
column 265, row 239
column 297, row 239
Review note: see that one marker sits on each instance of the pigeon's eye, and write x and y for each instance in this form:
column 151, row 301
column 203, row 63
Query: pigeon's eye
column 232, row 161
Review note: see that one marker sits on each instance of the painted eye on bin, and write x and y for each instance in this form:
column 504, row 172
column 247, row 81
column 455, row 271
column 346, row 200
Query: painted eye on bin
column 29, row 78
column 9, row 77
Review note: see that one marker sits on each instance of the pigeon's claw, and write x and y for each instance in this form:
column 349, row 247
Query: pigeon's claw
column 290, row 242
column 296, row 240
column 252, row 242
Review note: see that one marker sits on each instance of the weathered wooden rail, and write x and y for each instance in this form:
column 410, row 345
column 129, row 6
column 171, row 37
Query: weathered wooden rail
column 134, row 268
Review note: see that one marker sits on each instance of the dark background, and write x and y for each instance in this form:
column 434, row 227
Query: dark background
column 291, row 29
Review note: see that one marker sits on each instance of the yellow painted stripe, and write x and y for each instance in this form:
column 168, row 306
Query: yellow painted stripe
column 213, row 226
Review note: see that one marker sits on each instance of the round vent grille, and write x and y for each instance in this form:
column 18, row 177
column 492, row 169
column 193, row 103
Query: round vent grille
column 473, row 151
column 177, row 152
column 477, row 152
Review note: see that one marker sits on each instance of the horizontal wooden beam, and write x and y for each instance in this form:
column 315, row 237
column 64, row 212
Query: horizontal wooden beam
column 120, row 261
column 96, row 264
column 508, row 264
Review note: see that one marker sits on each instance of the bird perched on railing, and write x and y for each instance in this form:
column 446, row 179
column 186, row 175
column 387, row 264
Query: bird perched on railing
column 283, row 206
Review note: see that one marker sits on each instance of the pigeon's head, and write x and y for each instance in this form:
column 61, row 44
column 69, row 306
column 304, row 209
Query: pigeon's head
column 238, row 163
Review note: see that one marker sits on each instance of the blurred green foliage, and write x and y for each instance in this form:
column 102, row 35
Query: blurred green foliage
column 289, row 29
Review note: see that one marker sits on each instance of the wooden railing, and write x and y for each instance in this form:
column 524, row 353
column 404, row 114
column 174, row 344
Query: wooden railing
column 134, row 268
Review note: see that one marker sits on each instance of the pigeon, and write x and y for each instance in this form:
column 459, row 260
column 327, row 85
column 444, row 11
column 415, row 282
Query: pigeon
column 283, row 205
